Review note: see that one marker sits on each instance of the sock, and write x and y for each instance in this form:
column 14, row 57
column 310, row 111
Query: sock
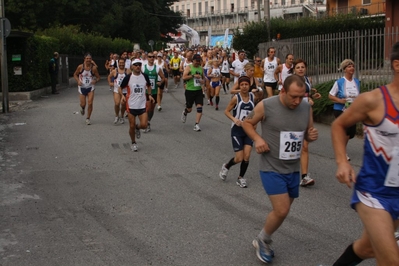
column 133, row 142
column 265, row 237
column 150, row 115
column 228, row 86
column 210, row 98
column 348, row 258
column 217, row 100
column 230, row 163
column 243, row 168
column 224, row 87
column 185, row 111
column 303, row 175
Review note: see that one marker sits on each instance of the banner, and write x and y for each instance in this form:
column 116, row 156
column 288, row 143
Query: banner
column 195, row 40
column 219, row 41
column 226, row 38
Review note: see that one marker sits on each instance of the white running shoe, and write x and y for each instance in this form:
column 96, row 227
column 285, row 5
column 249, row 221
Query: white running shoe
column 223, row 172
column 88, row 122
column 183, row 117
column 166, row 90
column 122, row 120
column 197, row 128
column 148, row 129
column 307, row 181
column 134, row 147
column 116, row 120
column 159, row 108
column 242, row 182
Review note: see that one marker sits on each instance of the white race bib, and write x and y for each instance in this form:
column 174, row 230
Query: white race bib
column 392, row 178
column 152, row 81
column 291, row 144
column 197, row 82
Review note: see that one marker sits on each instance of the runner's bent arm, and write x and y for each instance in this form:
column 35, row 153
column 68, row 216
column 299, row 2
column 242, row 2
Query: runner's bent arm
column 249, row 125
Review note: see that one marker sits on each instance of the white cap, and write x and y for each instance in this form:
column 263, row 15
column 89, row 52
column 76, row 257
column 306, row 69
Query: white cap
column 135, row 61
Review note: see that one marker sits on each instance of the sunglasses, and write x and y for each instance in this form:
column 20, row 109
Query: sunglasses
column 150, row 56
column 257, row 60
column 136, row 64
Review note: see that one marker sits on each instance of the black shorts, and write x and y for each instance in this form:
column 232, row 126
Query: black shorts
column 176, row 72
column 194, row 97
column 273, row 85
column 350, row 131
column 227, row 75
column 137, row 112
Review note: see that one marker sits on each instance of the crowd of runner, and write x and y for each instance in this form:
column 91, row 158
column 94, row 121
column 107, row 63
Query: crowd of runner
column 277, row 96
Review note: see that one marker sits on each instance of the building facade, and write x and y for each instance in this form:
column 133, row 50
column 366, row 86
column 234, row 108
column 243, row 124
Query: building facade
column 360, row 7
column 219, row 15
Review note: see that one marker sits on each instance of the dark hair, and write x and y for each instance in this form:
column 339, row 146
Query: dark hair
column 286, row 57
column 123, row 59
column 394, row 53
column 268, row 50
column 296, row 62
column 87, row 54
column 293, row 79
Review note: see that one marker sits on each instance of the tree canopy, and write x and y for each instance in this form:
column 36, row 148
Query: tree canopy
column 135, row 20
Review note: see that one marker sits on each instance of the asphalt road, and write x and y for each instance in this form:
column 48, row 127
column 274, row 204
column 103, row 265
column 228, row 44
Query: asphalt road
column 72, row 194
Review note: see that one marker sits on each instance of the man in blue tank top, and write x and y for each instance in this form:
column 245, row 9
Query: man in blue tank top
column 286, row 121
column 376, row 187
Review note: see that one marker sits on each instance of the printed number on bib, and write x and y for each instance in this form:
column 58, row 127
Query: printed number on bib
column 290, row 144
column 175, row 65
column 138, row 90
column 152, row 81
column 392, row 178
column 197, row 82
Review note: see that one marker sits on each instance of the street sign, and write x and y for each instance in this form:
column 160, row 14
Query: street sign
column 151, row 43
column 7, row 27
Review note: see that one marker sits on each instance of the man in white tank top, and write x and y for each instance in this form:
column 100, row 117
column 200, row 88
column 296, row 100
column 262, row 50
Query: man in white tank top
column 282, row 71
column 269, row 65
column 86, row 75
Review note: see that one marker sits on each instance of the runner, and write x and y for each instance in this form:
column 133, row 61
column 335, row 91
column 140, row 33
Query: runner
column 225, row 63
column 138, row 88
column 194, row 75
column 175, row 67
column 286, row 121
column 115, row 79
column 163, row 87
column 242, row 104
column 269, row 65
column 215, row 76
column 153, row 72
column 376, row 188
column 237, row 67
column 284, row 70
column 86, row 75
column 343, row 93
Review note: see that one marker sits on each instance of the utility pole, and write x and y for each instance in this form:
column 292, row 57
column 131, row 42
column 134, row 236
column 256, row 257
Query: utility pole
column 266, row 8
column 3, row 56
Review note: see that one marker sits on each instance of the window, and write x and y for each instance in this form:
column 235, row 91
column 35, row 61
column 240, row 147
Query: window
column 199, row 9
column 232, row 8
column 293, row 2
column 283, row 2
column 212, row 9
column 366, row 2
column 188, row 13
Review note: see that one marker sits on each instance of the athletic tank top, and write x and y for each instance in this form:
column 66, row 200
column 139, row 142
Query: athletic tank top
column 194, row 83
column 118, row 81
column 270, row 68
column 86, row 77
column 241, row 111
column 225, row 66
column 152, row 73
column 283, row 129
column 215, row 73
column 380, row 170
column 284, row 74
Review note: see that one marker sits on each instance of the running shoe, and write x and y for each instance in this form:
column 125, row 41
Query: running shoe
column 197, row 128
column 88, row 122
column 217, row 107
column 348, row 158
column 116, row 120
column 307, row 181
column 223, row 172
column 242, row 182
column 148, row 129
column 122, row 120
column 183, row 117
column 82, row 111
column 166, row 90
column 397, row 237
column 159, row 108
column 134, row 147
column 264, row 251
column 138, row 133
column 209, row 102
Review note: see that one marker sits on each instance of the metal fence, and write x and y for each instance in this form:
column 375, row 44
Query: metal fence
column 369, row 49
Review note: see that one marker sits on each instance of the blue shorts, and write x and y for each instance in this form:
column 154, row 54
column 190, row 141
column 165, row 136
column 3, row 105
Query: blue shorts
column 391, row 205
column 275, row 183
column 137, row 112
column 85, row 91
column 214, row 84
column 240, row 141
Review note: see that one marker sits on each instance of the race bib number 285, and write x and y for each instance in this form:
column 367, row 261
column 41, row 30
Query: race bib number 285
column 291, row 144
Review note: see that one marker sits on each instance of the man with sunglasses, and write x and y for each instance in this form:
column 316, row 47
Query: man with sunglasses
column 138, row 88
column 153, row 72
column 269, row 65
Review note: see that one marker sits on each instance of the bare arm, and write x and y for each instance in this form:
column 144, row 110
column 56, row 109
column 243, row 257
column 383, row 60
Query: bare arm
column 249, row 125
column 335, row 99
column 112, row 74
column 227, row 111
column 96, row 74
column 76, row 74
column 278, row 71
